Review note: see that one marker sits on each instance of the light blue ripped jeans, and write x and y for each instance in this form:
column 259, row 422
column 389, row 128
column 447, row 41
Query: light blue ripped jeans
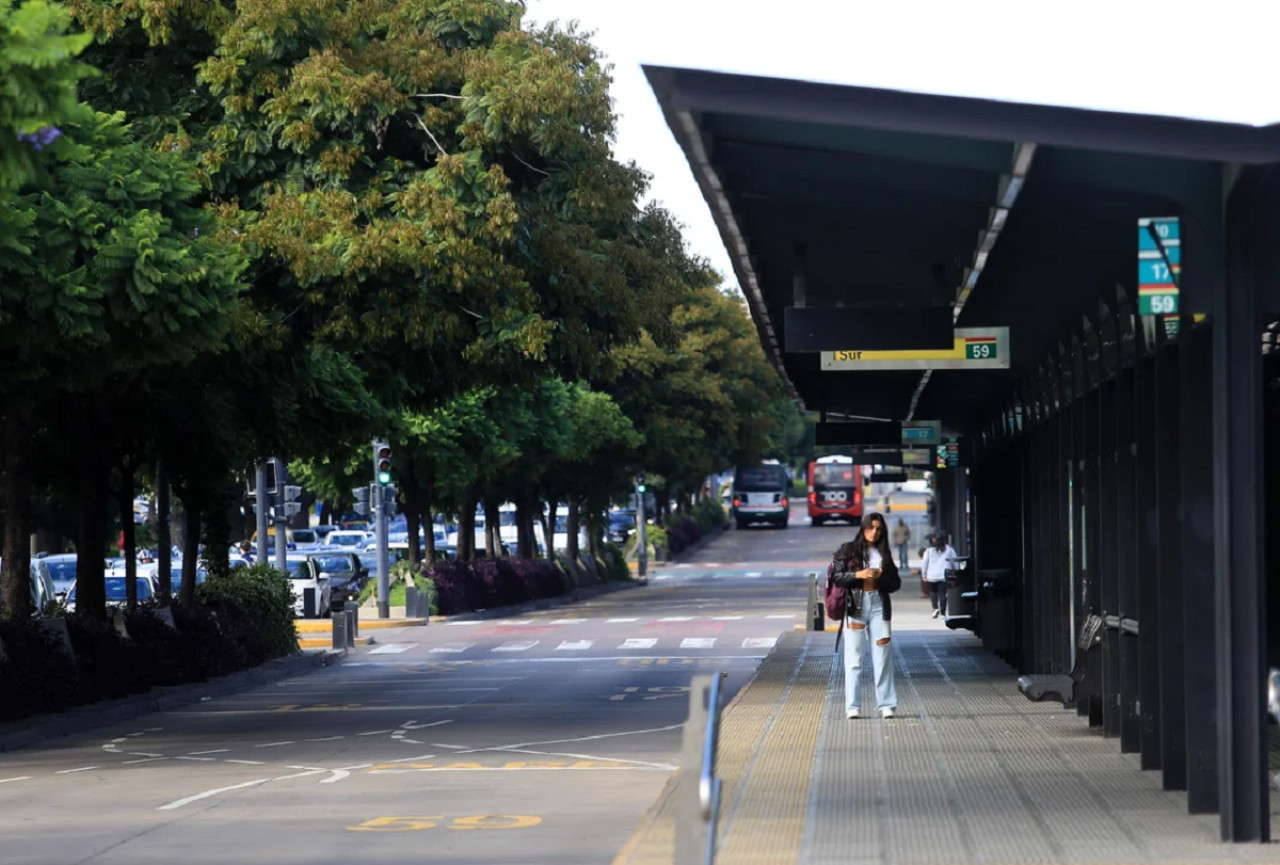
column 876, row 629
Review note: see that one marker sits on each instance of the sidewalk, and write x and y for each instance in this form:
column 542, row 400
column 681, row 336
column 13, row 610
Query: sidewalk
column 969, row 771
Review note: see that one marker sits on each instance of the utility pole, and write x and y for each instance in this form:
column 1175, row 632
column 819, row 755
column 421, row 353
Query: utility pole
column 378, row 500
column 642, row 536
column 164, row 542
column 281, row 521
column 260, row 499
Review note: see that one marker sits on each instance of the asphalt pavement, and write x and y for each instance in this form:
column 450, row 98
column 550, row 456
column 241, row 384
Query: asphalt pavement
column 537, row 738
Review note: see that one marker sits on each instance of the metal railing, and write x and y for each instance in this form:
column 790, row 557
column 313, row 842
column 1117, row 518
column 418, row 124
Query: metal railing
column 698, row 789
column 1122, row 624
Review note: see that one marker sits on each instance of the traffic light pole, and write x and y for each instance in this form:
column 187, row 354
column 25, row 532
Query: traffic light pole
column 642, row 536
column 384, row 597
column 260, row 500
column 281, row 521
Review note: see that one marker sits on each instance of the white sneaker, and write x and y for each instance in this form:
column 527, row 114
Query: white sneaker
column 935, row 614
column 886, row 713
column 853, row 713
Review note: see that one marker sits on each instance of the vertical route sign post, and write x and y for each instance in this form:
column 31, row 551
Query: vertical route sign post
column 1159, row 265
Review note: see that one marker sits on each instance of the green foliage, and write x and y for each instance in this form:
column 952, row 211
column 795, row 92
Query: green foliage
column 261, row 597
column 38, row 77
column 709, row 514
column 612, row 563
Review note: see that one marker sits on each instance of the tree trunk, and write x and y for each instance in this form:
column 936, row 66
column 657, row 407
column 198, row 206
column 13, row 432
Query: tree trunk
column 326, row 514
column 428, row 524
column 549, row 529
column 524, row 536
column 492, row 528
column 467, row 529
column 217, row 536
column 190, row 554
column 91, row 540
column 128, row 549
column 411, row 517
column 593, row 533
column 571, row 524
column 15, row 587
column 164, row 542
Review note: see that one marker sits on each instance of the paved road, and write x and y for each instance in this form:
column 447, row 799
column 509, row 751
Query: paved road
column 541, row 738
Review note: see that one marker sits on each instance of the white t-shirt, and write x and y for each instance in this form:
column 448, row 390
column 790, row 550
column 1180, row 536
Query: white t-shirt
column 873, row 557
column 935, row 563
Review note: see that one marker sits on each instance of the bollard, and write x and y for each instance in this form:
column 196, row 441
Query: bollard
column 354, row 624
column 410, row 601
column 339, row 629
column 349, row 614
column 308, row 603
column 697, row 793
column 817, row 608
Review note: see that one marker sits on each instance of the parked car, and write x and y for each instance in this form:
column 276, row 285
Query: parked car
column 44, row 597
column 304, row 575
column 344, row 573
column 621, row 525
column 305, row 540
column 61, row 569
column 117, row 589
column 348, row 539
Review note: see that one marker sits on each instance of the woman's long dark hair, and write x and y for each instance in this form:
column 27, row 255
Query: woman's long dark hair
column 858, row 546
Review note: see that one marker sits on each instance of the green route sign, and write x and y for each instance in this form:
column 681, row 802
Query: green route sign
column 1159, row 265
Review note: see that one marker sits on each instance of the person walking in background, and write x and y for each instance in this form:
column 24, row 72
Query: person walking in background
column 934, row 571
column 901, row 537
column 864, row 568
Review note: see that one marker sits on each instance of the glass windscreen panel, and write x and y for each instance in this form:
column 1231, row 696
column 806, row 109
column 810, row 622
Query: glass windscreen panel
column 760, row 479
column 835, row 476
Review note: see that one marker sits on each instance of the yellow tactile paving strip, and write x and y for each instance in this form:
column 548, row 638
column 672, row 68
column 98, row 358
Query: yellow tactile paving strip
column 768, row 737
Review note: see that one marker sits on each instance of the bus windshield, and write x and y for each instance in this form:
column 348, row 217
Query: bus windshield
column 760, row 479
column 834, row 475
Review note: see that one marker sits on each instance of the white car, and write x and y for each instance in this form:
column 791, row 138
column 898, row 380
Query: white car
column 116, row 591
column 304, row 575
column 348, row 539
column 305, row 540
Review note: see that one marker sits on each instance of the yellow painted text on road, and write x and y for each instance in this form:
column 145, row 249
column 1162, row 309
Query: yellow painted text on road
column 416, row 824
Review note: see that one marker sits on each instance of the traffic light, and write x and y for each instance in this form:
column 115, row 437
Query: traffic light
column 382, row 462
column 640, row 485
column 362, row 500
column 389, row 499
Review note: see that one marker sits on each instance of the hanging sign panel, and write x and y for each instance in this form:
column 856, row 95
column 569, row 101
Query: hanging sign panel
column 1159, row 265
column 972, row 348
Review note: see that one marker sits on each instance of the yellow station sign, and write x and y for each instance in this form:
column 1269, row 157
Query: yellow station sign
column 974, row 348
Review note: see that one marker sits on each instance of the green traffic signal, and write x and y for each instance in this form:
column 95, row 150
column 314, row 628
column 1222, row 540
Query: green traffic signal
column 640, row 488
column 384, row 477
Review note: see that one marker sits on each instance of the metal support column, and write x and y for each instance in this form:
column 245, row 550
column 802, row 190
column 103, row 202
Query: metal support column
column 1126, row 559
column 1199, row 599
column 1147, row 469
column 1090, row 558
column 1239, row 562
column 1108, row 571
column 1170, row 638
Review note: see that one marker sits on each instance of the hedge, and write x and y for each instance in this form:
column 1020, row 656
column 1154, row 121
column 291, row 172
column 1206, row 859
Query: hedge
column 464, row 586
column 239, row 621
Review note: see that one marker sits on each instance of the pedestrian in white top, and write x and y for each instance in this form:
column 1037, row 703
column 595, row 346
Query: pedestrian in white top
column 934, row 569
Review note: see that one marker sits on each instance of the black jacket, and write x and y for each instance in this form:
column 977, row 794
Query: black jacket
column 845, row 564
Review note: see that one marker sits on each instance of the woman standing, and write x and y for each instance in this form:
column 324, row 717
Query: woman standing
column 864, row 568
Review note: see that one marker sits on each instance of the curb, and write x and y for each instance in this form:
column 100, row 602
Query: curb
column 28, row 731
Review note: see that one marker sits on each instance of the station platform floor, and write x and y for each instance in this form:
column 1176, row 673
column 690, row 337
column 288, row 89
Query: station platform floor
column 969, row 771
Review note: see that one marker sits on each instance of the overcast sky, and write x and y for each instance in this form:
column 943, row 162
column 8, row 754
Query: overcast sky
column 1212, row 60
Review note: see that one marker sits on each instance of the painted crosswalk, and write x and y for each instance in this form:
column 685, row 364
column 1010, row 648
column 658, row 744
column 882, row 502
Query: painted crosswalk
column 630, row 643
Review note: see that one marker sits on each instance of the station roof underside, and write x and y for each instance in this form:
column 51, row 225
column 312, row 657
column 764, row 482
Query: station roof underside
column 881, row 199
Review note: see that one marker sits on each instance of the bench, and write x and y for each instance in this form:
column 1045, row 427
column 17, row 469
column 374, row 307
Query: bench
column 1062, row 687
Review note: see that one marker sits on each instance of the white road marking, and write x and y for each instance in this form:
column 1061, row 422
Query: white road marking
column 517, row 646
column 199, row 759
column 71, row 771
column 619, row 621
column 392, row 649
column 131, row 735
column 697, row 642
column 632, row 763
column 410, row 725
column 121, row 739
column 783, row 616
column 517, row 622
column 759, row 642
column 753, row 574
column 567, row 621
column 726, row 618
column 178, row 803
column 375, row 733
column 463, row 623
column 452, row 647
column 246, row 762
column 639, row 643
column 519, row 745
column 341, row 774
column 676, row 619
column 143, row 754
column 154, row 729
column 273, row 744
column 450, row 747
column 19, row 778
column 146, row 760
column 211, row 751
column 575, row 645
column 324, row 739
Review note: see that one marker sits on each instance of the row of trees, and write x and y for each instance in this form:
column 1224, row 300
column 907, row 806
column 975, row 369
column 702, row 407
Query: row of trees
column 285, row 227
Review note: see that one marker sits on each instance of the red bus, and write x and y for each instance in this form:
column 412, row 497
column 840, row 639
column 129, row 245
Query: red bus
column 835, row 490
